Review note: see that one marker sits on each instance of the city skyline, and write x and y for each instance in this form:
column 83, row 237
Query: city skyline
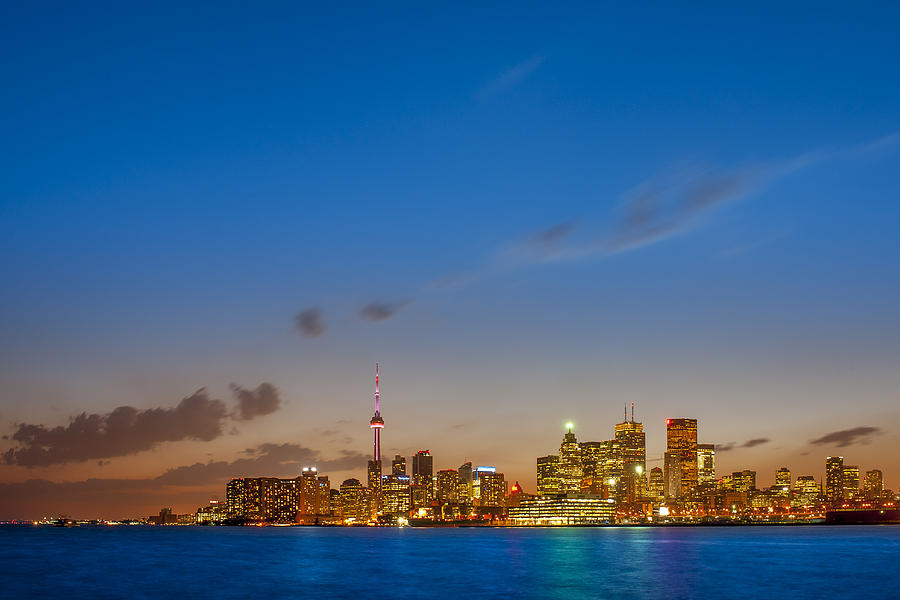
column 214, row 222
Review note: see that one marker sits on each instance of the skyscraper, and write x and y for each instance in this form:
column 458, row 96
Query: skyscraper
column 851, row 482
column 656, row 488
column 570, row 468
column 783, row 477
column 374, row 470
column 466, row 481
column 548, row 475
column 681, row 438
column 672, row 474
column 706, row 463
column 422, row 479
column 834, row 480
column 873, row 486
column 398, row 465
column 633, row 450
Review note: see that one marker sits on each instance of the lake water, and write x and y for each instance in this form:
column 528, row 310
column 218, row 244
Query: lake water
column 764, row 563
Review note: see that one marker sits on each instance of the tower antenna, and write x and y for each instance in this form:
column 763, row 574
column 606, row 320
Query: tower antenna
column 632, row 411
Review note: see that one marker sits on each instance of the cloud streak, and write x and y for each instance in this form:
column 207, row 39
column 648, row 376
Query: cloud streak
column 381, row 311
column 512, row 77
column 848, row 437
column 751, row 443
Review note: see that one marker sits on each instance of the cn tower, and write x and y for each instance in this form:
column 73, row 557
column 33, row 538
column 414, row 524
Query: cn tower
column 377, row 423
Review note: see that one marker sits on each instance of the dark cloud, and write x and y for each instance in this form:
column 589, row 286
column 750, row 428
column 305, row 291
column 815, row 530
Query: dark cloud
column 192, row 484
column 381, row 311
column 755, row 442
column 309, row 322
column 264, row 400
column 725, row 447
column 126, row 430
column 848, row 437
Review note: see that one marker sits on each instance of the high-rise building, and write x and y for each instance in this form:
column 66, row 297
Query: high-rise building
column 398, row 465
column 834, row 480
column 591, row 467
column 395, row 495
column 851, row 482
column 375, row 465
column 548, row 475
column 633, row 450
column 744, row 481
column 447, row 488
column 570, row 469
column 672, row 472
column 313, row 494
column 354, row 502
column 873, row 485
column 681, row 437
column 466, row 483
column 806, row 491
column 783, row 477
column 491, row 489
column 422, row 491
column 656, row 488
column 706, row 463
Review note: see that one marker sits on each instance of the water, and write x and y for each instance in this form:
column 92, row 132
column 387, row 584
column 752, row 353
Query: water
column 797, row 562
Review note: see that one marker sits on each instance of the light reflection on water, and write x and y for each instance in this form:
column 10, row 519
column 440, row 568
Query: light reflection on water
column 799, row 562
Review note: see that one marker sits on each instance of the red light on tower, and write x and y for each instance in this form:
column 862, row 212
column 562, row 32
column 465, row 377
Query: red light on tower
column 668, row 421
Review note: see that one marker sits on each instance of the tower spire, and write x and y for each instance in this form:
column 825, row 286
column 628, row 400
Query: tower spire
column 377, row 393
column 632, row 411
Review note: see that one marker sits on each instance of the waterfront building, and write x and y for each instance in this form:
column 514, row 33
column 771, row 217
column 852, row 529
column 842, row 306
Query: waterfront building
column 851, row 482
column 548, row 475
column 656, row 487
column 447, row 488
column 632, row 447
column 213, row 513
column 466, row 490
column 262, row 499
column 492, row 490
column 570, row 468
column 313, row 494
column 681, row 438
column 423, row 474
column 706, row 463
column 873, row 486
column 672, row 473
column 807, row 491
column 591, row 467
column 395, row 495
column 566, row 509
column 834, row 480
column 354, row 502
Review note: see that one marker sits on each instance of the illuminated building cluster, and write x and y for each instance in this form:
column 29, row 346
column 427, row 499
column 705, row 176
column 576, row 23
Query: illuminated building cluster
column 583, row 483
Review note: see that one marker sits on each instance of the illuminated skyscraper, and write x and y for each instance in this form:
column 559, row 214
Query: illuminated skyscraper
column 706, row 463
column 466, row 481
column 375, row 466
column 633, row 450
column 422, row 479
column 744, row 481
column 783, row 477
column 834, row 480
column 354, row 502
column 395, row 495
column 570, row 469
column 447, row 489
column 313, row 495
column 873, row 486
column 398, row 465
column 548, row 475
column 672, row 474
column 491, row 489
column 807, row 491
column 591, row 467
column 656, row 488
column 681, row 437
column 851, row 482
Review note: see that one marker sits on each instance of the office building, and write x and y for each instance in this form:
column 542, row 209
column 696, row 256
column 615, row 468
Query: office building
column 491, row 489
column 656, row 488
column 851, row 482
column 354, row 502
column 570, row 469
column 395, row 498
column 834, row 480
column 466, row 490
column 548, row 475
column 873, row 485
column 632, row 447
column 681, row 438
column 447, row 488
column 672, row 474
column 398, row 465
column 706, row 463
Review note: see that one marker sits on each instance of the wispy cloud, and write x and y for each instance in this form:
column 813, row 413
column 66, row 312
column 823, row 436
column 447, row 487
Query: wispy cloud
column 511, row 77
column 751, row 443
column 381, row 311
column 848, row 437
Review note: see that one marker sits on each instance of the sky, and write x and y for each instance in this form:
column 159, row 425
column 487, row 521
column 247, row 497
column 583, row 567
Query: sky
column 214, row 220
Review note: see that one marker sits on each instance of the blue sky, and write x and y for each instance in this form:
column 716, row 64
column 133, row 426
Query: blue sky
column 181, row 181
